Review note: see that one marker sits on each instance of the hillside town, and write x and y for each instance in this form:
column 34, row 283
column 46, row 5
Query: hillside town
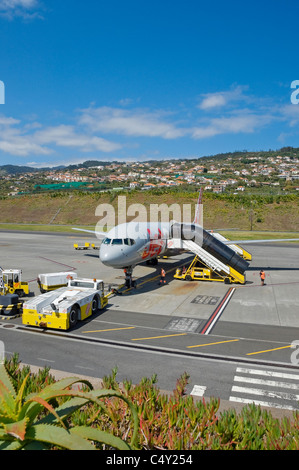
column 229, row 173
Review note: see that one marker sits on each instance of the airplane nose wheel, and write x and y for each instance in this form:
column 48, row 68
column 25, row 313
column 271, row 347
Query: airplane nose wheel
column 128, row 277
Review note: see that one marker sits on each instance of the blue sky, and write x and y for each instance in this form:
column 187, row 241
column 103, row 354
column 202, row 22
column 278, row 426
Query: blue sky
column 139, row 79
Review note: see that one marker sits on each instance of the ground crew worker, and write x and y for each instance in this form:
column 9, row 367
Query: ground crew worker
column 163, row 274
column 262, row 276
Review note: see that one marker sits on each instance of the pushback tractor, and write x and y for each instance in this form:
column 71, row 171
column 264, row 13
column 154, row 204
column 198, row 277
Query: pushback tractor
column 64, row 307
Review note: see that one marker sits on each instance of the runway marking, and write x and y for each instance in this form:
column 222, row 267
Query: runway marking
column 211, row 344
column 156, row 337
column 154, row 278
column 217, row 312
column 110, row 329
column 198, row 390
column 266, row 393
column 268, row 350
column 262, row 403
column 57, row 262
column 268, row 373
column 272, row 383
column 43, row 359
column 262, row 379
column 84, row 367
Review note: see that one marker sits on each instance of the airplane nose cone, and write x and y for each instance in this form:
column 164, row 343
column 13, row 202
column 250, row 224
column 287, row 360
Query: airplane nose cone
column 108, row 256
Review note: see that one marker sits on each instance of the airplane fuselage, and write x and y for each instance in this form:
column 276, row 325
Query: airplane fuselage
column 132, row 243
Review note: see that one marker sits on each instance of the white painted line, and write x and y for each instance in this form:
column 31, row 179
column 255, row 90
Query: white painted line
column 270, row 383
column 198, row 390
column 84, row 367
column 220, row 312
column 268, row 373
column 42, row 359
column 265, row 393
column 262, row 403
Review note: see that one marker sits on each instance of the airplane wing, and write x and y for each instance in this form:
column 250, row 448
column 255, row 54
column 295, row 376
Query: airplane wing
column 247, row 242
column 95, row 232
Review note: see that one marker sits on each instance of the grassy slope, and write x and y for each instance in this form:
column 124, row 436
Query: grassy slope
column 80, row 210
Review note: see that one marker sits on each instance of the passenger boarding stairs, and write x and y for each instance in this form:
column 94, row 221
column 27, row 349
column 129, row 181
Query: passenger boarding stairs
column 234, row 247
column 210, row 261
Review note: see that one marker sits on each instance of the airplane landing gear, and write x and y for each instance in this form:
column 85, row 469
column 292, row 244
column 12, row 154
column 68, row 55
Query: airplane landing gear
column 128, row 277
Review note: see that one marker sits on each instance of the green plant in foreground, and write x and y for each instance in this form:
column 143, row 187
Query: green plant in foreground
column 25, row 425
column 58, row 418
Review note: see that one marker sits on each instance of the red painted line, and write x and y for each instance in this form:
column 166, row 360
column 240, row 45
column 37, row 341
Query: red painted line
column 215, row 312
column 57, row 262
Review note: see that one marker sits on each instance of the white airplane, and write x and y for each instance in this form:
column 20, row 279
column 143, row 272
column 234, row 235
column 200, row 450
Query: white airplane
column 133, row 243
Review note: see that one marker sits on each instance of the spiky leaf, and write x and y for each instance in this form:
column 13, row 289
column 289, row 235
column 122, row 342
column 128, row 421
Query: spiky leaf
column 60, row 437
column 17, row 429
column 100, row 436
column 5, row 379
column 7, row 401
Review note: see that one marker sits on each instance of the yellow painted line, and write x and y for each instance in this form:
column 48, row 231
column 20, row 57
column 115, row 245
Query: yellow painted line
column 211, row 344
column 268, row 350
column 155, row 337
column 110, row 329
column 156, row 277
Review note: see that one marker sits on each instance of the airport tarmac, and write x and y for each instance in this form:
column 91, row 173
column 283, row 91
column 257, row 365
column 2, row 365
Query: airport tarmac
column 204, row 327
column 274, row 304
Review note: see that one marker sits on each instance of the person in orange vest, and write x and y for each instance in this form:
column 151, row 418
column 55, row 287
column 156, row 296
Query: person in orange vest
column 163, row 274
column 262, row 276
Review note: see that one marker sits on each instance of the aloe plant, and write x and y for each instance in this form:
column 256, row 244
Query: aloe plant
column 24, row 426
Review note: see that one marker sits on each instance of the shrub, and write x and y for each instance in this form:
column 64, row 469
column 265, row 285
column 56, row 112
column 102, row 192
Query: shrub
column 174, row 421
column 25, row 425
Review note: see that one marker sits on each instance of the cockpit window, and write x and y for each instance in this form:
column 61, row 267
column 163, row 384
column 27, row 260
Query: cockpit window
column 117, row 241
column 129, row 241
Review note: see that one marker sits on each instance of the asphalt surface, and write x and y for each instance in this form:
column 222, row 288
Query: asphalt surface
column 245, row 354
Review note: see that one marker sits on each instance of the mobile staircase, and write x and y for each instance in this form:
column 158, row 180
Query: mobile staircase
column 238, row 249
column 214, row 260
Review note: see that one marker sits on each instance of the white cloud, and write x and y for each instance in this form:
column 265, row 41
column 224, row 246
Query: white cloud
column 27, row 9
column 22, row 147
column 213, row 101
column 10, row 4
column 233, row 124
column 236, row 111
column 126, row 126
column 66, row 136
column 137, row 122
column 17, row 140
column 222, row 98
column 8, row 121
column 291, row 114
column 14, row 142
